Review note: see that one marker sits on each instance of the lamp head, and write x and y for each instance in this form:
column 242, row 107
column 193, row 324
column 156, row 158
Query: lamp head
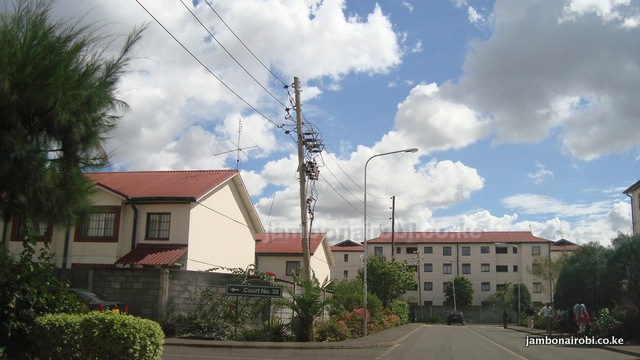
column 412, row 150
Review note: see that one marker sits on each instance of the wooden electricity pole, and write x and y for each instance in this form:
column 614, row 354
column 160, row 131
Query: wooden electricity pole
column 306, row 258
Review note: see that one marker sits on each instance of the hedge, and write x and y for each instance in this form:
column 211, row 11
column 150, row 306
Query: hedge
column 97, row 335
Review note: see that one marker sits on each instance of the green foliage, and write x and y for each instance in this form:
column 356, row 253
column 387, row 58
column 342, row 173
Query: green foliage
column 347, row 295
column 198, row 325
column 464, row 292
column 272, row 330
column 96, row 335
column 28, row 290
column 388, row 280
column 306, row 306
column 57, row 104
column 548, row 270
column 624, row 266
column 400, row 308
column 606, row 322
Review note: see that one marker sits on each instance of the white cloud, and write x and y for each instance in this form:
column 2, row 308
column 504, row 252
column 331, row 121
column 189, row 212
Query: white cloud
column 607, row 10
column 541, row 173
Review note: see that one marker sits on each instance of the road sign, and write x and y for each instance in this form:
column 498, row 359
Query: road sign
column 254, row 290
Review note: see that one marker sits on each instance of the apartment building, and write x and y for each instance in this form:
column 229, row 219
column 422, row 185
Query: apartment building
column 347, row 259
column 488, row 259
column 634, row 194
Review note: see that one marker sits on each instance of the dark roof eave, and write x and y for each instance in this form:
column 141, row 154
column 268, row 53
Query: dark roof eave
column 162, row 199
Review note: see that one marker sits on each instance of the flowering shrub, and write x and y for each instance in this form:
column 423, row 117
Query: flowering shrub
column 349, row 325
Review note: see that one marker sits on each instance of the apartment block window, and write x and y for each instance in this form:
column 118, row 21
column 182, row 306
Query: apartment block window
column 466, row 250
column 446, row 268
column 158, row 226
column 346, row 257
column 485, row 268
column 485, row 250
column 345, row 274
column 102, row 224
column 428, row 249
column 293, row 268
column 501, row 250
column 537, row 287
column 412, row 250
column 502, row 268
column 446, row 251
column 428, row 267
column 515, row 268
column 398, row 250
column 428, row 286
column 535, row 250
column 445, row 285
column 415, row 287
column 515, row 249
column 20, row 229
column 466, row 268
column 377, row 250
column 485, row 286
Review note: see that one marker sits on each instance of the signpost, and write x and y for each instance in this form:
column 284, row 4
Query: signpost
column 254, row 290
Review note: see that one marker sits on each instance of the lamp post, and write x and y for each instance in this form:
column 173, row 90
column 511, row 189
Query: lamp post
column 453, row 283
column 519, row 274
column 364, row 315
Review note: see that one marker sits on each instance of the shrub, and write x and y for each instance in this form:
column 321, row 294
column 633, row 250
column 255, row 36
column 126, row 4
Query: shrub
column 199, row 325
column 629, row 322
column 606, row 322
column 96, row 335
column 333, row 329
column 401, row 308
column 272, row 330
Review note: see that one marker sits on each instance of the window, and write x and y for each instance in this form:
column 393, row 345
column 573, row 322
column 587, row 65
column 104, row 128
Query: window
column 398, row 250
column 345, row 274
column 428, row 286
column 428, row 267
column 535, row 250
column 377, row 250
column 515, row 268
column 501, row 250
column 515, row 249
column 466, row 250
column 502, row 268
column 485, row 268
column 446, row 250
column 158, row 226
column 485, row 250
column 446, row 268
column 428, row 249
column 537, row 287
column 38, row 230
column 411, row 250
column 101, row 225
column 293, row 268
column 466, row 268
column 346, row 257
column 485, row 286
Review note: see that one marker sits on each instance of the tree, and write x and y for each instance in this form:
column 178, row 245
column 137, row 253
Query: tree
column 624, row 266
column 57, row 105
column 306, row 306
column 347, row 295
column 464, row 292
column 388, row 280
column 548, row 270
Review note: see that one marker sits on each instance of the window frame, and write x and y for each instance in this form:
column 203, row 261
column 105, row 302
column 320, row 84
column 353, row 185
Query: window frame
column 466, row 268
column 345, row 257
column 378, row 250
column 485, row 267
column 485, row 286
column 17, row 230
column 292, row 268
column 536, row 288
column 428, row 286
column 427, row 267
column 428, row 249
column 534, row 248
column 500, row 268
column 446, row 251
column 80, row 225
column 444, row 269
column 466, row 251
column 159, row 231
column 485, row 249
column 411, row 250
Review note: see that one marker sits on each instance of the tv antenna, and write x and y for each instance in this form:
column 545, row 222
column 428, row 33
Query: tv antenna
column 237, row 149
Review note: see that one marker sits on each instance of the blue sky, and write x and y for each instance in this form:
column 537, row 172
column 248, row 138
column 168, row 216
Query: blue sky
column 525, row 113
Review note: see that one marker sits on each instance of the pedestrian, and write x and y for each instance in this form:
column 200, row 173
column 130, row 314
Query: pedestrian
column 505, row 318
column 581, row 316
column 560, row 320
column 530, row 318
column 547, row 313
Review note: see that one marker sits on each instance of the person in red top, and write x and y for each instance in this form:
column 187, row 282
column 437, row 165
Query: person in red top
column 581, row 316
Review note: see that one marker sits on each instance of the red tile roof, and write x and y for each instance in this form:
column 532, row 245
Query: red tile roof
column 286, row 243
column 162, row 184
column 154, row 254
column 459, row 237
column 359, row 248
column 564, row 247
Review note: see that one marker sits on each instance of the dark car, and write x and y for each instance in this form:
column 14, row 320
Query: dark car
column 97, row 302
column 455, row 317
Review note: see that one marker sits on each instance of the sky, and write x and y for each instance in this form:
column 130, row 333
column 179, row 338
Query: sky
column 524, row 113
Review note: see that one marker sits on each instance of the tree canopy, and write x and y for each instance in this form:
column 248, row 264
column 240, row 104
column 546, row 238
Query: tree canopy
column 388, row 280
column 57, row 105
column 463, row 292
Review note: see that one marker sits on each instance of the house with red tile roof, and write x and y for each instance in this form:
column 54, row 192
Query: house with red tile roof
column 347, row 259
column 489, row 259
column 563, row 247
column 191, row 220
column 281, row 253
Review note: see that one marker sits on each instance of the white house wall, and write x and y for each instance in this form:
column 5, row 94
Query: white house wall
column 221, row 232
column 320, row 264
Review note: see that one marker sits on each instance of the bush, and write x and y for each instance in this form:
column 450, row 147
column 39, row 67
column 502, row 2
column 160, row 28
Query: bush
column 401, row 308
column 272, row 330
column 629, row 322
column 606, row 322
column 199, row 325
column 96, row 335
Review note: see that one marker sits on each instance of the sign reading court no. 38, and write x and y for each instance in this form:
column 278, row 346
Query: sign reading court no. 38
column 254, row 290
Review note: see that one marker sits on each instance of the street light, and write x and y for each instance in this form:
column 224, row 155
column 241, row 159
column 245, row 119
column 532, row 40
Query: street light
column 453, row 283
column 412, row 150
column 519, row 274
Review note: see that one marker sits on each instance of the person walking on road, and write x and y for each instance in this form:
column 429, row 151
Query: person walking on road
column 547, row 313
column 530, row 318
column 581, row 316
column 505, row 318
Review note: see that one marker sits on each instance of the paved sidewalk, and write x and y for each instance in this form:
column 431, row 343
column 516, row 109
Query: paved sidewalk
column 385, row 338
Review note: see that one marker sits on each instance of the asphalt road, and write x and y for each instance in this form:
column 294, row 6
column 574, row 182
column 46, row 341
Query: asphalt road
column 489, row 342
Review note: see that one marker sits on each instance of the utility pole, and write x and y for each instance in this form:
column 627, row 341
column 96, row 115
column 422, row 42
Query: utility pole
column 393, row 227
column 306, row 257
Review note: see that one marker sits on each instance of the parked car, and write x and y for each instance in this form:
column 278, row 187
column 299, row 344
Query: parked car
column 97, row 302
column 455, row 317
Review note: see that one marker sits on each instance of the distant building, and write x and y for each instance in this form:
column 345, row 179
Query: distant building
column 634, row 193
column 563, row 247
column 488, row 259
column 347, row 259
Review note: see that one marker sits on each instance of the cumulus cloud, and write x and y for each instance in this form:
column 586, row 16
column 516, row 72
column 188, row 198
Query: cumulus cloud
column 541, row 173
